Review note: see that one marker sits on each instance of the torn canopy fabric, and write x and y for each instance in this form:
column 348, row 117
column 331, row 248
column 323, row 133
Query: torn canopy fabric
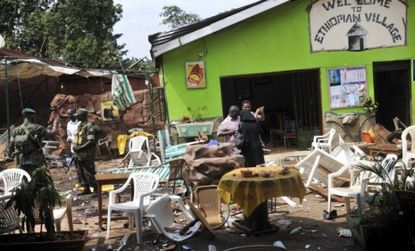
column 121, row 91
column 29, row 68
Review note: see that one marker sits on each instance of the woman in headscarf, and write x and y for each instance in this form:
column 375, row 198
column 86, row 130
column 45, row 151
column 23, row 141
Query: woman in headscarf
column 252, row 149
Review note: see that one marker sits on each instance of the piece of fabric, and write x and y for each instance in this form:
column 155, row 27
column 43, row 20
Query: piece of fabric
column 229, row 127
column 252, row 149
column 122, row 92
column 249, row 193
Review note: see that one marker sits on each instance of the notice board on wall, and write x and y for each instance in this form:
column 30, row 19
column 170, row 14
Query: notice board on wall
column 347, row 86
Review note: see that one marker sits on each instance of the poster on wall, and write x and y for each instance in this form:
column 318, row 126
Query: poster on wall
column 347, row 86
column 195, row 75
column 109, row 111
column 357, row 25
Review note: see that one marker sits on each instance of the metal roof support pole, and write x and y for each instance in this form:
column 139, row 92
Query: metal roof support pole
column 6, row 89
column 153, row 119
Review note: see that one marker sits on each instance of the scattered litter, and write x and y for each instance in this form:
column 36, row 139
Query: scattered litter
column 77, row 221
column 344, row 232
column 123, row 242
column 325, row 235
column 318, row 196
column 296, row 230
column 91, row 212
column 307, row 246
column 338, row 205
column 283, row 224
column 313, row 231
column 330, row 216
column 304, row 199
column 109, row 248
column 318, row 248
column 211, row 248
column 243, row 235
column 279, row 244
column 186, row 248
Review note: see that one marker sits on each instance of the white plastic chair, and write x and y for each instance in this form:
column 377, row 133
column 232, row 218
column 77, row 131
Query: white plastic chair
column 144, row 185
column 388, row 164
column 140, row 153
column 408, row 154
column 324, row 141
column 161, row 216
column 12, row 178
column 352, row 191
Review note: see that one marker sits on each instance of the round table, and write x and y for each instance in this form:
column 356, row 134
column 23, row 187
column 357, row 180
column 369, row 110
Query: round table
column 252, row 193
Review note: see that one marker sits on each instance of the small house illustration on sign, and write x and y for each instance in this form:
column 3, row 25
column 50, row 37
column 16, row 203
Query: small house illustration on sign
column 357, row 38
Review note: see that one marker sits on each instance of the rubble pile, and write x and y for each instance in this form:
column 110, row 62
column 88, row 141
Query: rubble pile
column 207, row 164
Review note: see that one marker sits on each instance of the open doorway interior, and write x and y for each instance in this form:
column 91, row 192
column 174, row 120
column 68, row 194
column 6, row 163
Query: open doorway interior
column 292, row 104
column 392, row 92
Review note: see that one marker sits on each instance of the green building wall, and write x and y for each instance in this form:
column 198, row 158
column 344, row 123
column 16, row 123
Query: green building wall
column 274, row 41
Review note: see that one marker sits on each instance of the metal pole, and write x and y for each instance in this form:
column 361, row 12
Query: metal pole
column 6, row 87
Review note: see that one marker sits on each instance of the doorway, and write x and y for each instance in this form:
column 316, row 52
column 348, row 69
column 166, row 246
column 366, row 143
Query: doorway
column 286, row 96
column 392, row 92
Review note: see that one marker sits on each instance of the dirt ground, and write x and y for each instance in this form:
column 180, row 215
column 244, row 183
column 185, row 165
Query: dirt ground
column 316, row 233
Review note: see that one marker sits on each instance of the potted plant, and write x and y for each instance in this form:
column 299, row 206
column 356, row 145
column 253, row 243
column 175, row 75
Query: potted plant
column 36, row 199
column 369, row 105
column 379, row 224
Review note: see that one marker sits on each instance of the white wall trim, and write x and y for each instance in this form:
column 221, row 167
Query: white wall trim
column 215, row 27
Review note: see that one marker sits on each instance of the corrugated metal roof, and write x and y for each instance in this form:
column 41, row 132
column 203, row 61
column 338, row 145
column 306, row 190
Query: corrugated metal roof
column 164, row 37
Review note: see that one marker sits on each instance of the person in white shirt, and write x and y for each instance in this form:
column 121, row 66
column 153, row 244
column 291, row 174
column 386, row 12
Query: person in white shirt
column 71, row 127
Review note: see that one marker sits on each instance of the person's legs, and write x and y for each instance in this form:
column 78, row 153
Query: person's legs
column 80, row 171
column 89, row 172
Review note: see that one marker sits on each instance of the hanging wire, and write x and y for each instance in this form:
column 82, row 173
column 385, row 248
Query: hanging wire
column 20, row 89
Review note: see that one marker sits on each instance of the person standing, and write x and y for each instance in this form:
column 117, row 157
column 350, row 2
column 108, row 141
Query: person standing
column 71, row 127
column 84, row 152
column 259, row 113
column 252, row 148
column 230, row 125
column 26, row 143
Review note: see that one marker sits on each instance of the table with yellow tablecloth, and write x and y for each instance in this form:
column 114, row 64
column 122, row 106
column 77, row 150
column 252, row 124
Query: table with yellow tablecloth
column 250, row 192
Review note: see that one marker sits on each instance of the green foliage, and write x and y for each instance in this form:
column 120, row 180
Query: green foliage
column 369, row 105
column 77, row 32
column 383, row 205
column 39, row 193
column 196, row 113
column 175, row 17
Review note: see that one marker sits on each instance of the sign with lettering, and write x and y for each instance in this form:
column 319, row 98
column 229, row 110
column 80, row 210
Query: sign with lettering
column 357, row 25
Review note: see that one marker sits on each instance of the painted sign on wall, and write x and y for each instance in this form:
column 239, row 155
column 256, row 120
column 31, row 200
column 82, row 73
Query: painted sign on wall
column 195, row 74
column 357, row 25
column 347, row 86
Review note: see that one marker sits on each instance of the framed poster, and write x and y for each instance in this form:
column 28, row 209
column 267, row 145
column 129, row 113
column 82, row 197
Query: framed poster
column 195, row 75
column 109, row 111
column 347, row 86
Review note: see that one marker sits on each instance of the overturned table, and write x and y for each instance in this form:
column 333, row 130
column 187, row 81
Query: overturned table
column 252, row 193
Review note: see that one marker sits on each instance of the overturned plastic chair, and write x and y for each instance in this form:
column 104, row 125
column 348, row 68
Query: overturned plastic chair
column 140, row 153
column 160, row 213
column 209, row 204
column 12, row 178
column 324, row 141
column 408, row 146
column 144, row 185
